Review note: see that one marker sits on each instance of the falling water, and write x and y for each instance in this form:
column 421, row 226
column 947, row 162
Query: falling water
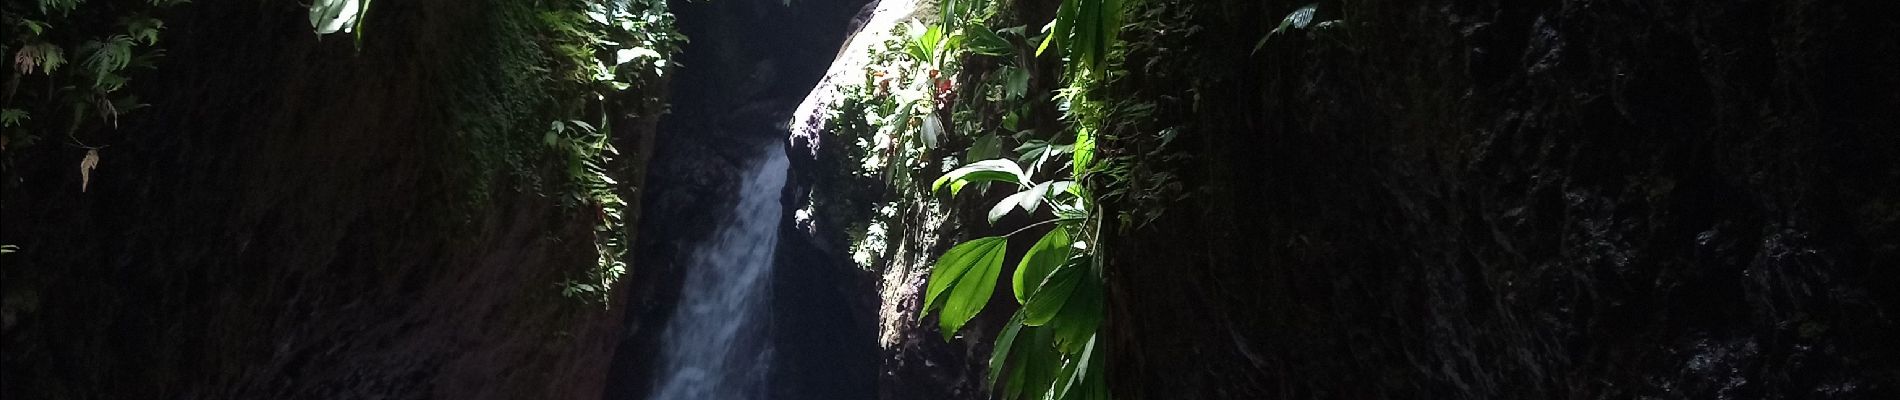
column 717, row 345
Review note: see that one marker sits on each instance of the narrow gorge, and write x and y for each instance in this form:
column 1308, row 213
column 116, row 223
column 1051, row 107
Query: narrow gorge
column 949, row 199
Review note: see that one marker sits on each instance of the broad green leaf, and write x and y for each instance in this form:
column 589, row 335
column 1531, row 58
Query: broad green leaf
column 1079, row 370
column 998, row 170
column 1018, row 376
column 973, row 270
column 999, row 355
column 1015, row 83
column 1039, row 363
column 1031, row 150
column 1111, row 24
column 984, row 41
column 1081, row 316
column 1082, row 35
column 955, row 263
column 1044, row 257
column 1064, row 23
column 986, row 147
column 1096, row 381
column 1060, row 383
column 1052, row 294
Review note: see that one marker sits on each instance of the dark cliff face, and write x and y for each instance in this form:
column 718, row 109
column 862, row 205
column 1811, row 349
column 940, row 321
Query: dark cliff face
column 296, row 218
column 1469, row 199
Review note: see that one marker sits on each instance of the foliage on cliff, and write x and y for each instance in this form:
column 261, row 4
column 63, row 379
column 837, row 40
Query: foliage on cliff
column 72, row 61
column 957, row 94
column 69, row 64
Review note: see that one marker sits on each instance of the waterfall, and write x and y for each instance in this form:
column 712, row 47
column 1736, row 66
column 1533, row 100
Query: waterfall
column 718, row 343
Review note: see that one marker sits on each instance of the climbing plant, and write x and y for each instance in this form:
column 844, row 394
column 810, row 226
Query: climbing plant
column 1049, row 346
column 593, row 51
column 600, row 48
column 70, row 62
column 1049, row 349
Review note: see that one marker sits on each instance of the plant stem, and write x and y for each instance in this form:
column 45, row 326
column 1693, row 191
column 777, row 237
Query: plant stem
column 1020, row 230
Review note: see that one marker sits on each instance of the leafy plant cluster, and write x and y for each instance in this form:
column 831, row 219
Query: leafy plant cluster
column 599, row 49
column 902, row 118
column 68, row 66
column 916, row 114
column 593, row 51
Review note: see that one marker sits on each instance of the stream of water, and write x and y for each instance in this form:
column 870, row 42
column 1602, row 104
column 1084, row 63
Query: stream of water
column 718, row 343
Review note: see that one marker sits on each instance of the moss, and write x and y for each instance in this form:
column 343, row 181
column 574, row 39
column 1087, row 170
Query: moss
column 492, row 100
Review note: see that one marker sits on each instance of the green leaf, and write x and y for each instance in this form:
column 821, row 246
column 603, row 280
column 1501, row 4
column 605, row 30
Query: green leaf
column 1015, row 83
column 1039, row 363
column 109, row 55
column 362, row 14
column 1081, row 316
column 1063, row 379
column 999, row 355
column 1082, row 53
column 1111, row 24
column 1062, row 28
column 986, row 147
column 1052, row 294
column 1087, row 364
column 984, row 41
column 1043, row 258
column 144, row 30
column 963, row 280
column 44, row 55
column 1084, row 150
column 49, row 7
column 36, row 26
column 997, row 170
column 12, row 117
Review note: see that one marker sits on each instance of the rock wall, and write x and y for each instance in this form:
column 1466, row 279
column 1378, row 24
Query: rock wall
column 1476, row 199
column 297, row 218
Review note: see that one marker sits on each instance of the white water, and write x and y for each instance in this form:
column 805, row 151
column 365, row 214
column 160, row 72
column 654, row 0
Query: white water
column 718, row 345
